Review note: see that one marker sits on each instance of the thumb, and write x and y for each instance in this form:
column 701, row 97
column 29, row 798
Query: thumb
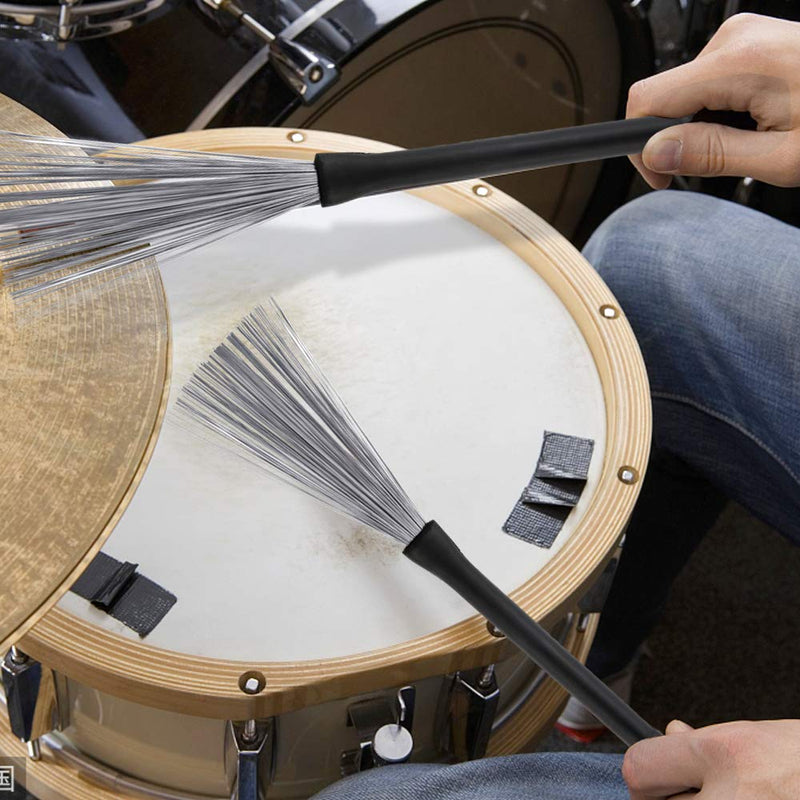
column 678, row 726
column 706, row 149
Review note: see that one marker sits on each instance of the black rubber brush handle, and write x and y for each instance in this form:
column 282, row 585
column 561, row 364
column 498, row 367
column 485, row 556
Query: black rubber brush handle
column 346, row 176
column 434, row 550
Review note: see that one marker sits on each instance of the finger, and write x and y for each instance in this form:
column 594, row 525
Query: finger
column 653, row 179
column 739, row 29
column 663, row 766
column 678, row 726
column 713, row 82
column 652, row 97
column 705, row 149
column 730, row 30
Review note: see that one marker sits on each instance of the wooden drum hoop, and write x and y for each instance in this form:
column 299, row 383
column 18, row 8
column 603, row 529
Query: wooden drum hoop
column 211, row 687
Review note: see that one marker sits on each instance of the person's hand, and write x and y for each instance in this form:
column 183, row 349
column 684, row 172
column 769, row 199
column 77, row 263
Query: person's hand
column 752, row 64
column 733, row 761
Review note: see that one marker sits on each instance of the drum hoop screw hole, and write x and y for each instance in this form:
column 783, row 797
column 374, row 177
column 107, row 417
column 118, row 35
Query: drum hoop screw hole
column 628, row 475
column 252, row 682
column 296, row 137
column 481, row 190
column 609, row 311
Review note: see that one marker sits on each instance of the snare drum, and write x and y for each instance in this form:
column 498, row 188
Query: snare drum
column 286, row 611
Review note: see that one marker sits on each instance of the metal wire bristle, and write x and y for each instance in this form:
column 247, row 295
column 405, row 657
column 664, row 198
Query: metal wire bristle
column 262, row 389
column 59, row 211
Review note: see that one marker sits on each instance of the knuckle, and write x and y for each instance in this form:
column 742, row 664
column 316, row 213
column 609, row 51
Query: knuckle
column 738, row 23
column 748, row 53
column 713, row 160
column 726, row 745
column 637, row 96
column 713, row 747
column 745, row 41
column 632, row 768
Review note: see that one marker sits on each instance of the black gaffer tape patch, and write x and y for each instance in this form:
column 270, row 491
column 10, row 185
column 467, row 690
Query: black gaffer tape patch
column 553, row 490
column 120, row 591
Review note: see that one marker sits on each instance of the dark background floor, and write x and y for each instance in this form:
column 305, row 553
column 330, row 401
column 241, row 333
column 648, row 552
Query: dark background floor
column 728, row 646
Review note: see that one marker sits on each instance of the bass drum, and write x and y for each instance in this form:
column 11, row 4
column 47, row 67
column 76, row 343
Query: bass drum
column 412, row 74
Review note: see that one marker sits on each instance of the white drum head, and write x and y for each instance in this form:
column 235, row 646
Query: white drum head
column 452, row 354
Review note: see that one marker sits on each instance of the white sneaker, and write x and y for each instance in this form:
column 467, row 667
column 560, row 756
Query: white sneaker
column 579, row 724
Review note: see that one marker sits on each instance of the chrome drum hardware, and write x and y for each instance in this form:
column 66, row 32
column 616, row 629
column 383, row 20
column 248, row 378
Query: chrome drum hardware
column 71, row 20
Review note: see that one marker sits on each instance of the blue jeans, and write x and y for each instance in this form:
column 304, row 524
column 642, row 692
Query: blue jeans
column 544, row 776
column 712, row 291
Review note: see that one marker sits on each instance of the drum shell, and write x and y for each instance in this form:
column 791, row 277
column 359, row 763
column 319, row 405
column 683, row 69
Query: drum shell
column 169, row 752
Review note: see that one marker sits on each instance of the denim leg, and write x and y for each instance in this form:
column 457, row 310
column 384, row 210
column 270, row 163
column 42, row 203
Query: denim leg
column 535, row 776
column 712, row 291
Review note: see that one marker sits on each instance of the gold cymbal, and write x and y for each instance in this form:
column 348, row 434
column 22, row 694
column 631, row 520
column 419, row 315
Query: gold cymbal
column 84, row 380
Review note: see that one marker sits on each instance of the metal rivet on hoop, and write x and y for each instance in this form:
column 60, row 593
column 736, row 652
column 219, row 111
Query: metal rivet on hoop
column 481, row 189
column 252, row 682
column 628, row 475
column 296, row 137
column 494, row 631
column 609, row 312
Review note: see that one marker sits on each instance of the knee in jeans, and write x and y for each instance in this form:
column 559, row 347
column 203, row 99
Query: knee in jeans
column 644, row 253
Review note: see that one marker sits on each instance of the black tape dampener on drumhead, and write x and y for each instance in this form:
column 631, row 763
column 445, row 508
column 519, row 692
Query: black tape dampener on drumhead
column 123, row 593
column 553, row 490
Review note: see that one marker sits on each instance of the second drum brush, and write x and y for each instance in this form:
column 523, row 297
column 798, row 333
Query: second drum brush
column 86, row 206
column 262, row 391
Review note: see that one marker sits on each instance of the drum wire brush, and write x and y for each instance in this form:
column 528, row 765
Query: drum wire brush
column 73, row 208
column 262, row 391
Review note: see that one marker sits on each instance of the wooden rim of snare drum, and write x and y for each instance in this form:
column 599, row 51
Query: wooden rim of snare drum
column 211, row 687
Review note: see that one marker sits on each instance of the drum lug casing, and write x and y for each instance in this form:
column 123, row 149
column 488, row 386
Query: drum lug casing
column 308, row 73
column 467, row 724
column 384, row 732
column 31, row 699
column 249, row 757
